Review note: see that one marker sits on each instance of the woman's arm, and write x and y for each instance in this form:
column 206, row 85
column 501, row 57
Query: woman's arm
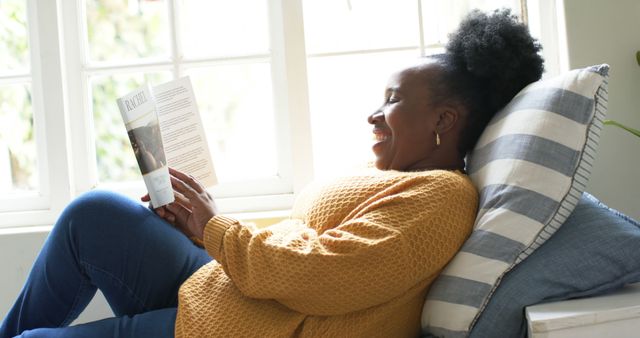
column 392, row 245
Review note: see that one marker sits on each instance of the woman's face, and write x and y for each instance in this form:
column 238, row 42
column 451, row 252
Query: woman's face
column 404, row 127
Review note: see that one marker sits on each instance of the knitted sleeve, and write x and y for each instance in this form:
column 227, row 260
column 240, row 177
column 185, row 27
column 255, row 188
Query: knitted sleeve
column 387, row 247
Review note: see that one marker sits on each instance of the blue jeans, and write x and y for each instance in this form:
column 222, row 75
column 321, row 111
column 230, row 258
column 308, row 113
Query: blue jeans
column 105, row 241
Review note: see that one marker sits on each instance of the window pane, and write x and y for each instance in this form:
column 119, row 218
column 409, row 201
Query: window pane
column 14, row 39
column 18, row 167
column 223, row 28
column 235, row 103
column 441, row 17
column 115, row 158
column 343, row 25
column 342, row 138
column 127, row 29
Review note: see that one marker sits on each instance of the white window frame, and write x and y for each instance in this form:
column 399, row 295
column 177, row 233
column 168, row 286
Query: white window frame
column 50, row 128
column 544, row 17
column 546, row 22
column 64, row 133
column 246, row 196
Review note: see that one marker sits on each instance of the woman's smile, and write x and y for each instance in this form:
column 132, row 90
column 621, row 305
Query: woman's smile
column 379, row 137
column 403, row 127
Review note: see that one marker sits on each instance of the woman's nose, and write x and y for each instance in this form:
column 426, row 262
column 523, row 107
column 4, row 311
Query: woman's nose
column 376, row 116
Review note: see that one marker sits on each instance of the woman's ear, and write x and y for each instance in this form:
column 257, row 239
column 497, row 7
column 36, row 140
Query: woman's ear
column 448, row 117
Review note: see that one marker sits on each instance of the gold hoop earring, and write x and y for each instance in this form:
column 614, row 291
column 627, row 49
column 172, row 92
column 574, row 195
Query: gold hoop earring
column 437, row 139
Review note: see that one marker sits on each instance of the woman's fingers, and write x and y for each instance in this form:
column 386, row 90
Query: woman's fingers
column 160, row 212
column 171, row 219
column 183, row 200
column 163, row 212
column 181, row 187
column 193, row 206
column 186, row 195
column 167, row 215
column 187, row 179
column 181, row 213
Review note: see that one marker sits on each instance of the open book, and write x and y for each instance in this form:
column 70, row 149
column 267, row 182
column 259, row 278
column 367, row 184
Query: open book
column 165, row 129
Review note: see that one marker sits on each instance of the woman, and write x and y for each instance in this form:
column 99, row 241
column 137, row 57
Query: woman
column 354, row 260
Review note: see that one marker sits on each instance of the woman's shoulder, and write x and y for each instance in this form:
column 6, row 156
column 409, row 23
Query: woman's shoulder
column 372, row 180
column 454, row 178
column 442, row 181
column 418, row 184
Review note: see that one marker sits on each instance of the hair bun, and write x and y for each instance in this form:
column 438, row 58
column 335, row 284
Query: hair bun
column 498, row 51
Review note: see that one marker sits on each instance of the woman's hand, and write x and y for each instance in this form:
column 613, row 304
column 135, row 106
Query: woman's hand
column 193, row 206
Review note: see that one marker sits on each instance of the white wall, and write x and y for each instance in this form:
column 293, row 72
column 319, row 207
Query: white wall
column 18, row 251
column 602, row 31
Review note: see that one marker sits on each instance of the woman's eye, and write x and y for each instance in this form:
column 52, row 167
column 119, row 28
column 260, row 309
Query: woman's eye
column 392, row 99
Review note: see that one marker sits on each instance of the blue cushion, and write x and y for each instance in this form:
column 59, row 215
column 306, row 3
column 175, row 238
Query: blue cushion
column 596, row 250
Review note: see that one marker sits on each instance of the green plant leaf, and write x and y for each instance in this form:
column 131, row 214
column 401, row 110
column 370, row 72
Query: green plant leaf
column 638, row 57
column 620, row 125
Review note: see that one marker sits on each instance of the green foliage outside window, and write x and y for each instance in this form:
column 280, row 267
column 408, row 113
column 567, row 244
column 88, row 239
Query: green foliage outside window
column 121, row 30
column 17, row 142
column 127, row 30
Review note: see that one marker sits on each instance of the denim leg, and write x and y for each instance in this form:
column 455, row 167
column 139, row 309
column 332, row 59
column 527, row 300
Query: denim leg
column 106, row 241
column 156, row 324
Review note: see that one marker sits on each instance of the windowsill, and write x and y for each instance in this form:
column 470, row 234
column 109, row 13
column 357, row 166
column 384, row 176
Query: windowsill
column 258, row 209
column 614, row 314
column 20, row 230
column 260, row 218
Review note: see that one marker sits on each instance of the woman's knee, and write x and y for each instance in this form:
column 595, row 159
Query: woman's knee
column 99, row 203
column 99, row 209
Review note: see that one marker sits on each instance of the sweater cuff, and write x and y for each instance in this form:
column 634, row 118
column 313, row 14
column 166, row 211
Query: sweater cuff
column 197, row 241
column 214, row 234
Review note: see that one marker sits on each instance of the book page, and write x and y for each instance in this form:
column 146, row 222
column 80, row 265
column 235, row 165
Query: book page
column 183, row 136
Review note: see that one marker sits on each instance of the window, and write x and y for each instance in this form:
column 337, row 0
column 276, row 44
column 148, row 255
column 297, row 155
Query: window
column 350, row 60
column 230, row 72
column 130, row 42
column 283, row 94
column 18, row 168
column 226, row 51
column 25, row 153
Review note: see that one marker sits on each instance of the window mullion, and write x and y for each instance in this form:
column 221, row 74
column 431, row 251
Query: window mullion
column 291, row 94
column 421, row 28
column 84, row 171
column 176, row 46
column 545, row 21
column 52, row 131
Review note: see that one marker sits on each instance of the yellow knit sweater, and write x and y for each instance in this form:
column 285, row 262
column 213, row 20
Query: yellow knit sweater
column 354, row 260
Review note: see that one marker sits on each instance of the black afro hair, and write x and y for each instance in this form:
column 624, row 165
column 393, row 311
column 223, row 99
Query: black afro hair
column 498, row 49
column 488, row 60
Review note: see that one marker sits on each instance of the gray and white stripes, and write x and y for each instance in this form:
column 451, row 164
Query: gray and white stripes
column 530, row 167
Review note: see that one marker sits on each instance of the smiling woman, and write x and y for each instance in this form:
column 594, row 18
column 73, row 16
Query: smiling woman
column 411, row 132
column 435, row 111
column 355, row 258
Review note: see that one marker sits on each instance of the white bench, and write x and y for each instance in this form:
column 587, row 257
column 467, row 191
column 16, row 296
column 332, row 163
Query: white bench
column 614, row 315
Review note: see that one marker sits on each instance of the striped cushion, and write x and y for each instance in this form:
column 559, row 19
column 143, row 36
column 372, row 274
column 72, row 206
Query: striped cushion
column 530, row 166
